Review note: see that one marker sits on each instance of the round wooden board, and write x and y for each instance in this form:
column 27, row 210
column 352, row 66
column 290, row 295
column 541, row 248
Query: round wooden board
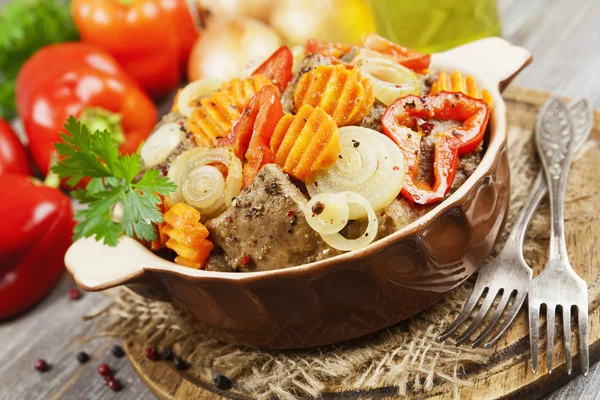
column 508, row 372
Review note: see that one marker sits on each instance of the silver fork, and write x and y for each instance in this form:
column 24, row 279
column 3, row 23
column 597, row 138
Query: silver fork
column 558, row 285
column 508, row 273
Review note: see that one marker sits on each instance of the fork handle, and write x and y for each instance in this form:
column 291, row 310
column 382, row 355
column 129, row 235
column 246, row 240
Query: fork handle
column 583, row 119
column 554, row 139
column 517, row 236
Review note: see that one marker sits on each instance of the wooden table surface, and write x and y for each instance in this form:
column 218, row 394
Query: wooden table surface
column 563, row 35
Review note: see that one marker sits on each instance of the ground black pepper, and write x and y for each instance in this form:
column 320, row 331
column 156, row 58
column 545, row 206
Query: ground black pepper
column 82, row 357
column 117, row 351
column 318, row 208
column 180, row 364
column 222, row 382
column 167, row 354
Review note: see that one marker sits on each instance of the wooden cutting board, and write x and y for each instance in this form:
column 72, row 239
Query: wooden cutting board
column 508, row 372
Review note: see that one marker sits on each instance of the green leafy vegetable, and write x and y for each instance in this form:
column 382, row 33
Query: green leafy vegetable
column 26, row 26
column 114, row 179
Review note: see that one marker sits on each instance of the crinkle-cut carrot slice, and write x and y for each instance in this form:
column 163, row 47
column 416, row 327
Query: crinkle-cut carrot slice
column 458, row 83
column 304, row 143
column 242, row 90
column 215, row 115
column 159, row 243
column 187, row 236
column 213, row 119
column 342, row 93
column 279, row 133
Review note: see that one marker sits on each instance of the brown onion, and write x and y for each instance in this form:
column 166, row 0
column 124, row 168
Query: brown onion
column 231, row 47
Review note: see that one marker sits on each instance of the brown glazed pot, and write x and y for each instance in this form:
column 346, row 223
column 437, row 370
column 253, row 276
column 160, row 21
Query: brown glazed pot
column 348, row 295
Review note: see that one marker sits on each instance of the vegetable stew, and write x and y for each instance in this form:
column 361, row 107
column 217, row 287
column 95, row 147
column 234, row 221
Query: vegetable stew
column 305, row 159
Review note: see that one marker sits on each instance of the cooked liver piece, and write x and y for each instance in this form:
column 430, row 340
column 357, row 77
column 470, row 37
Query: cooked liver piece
column 373, row 118
column 217, row 262
column 265, row 229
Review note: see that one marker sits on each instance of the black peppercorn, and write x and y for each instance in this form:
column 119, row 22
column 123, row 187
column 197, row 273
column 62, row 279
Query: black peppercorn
column 82, row 357
column 117, row 351
column 180, row 364
column 222, row 382
column 167, row 354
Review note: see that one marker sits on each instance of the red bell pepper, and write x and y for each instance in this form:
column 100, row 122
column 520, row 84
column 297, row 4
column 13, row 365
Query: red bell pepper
column 408, row 57
column 152, row 39
column 13, row 158
column 410, row 117
column 278, row 67
column 37, row 225
column 325, row 48
column 81, row 80
column 252, row 132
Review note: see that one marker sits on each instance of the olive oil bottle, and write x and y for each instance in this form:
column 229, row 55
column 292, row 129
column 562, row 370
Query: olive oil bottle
column 435, row 25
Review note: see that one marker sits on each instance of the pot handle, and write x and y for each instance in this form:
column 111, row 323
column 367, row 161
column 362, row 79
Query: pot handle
column 96, row 266
column 493, row 58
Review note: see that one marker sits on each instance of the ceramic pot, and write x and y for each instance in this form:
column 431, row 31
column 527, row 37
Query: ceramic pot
column 352, row 294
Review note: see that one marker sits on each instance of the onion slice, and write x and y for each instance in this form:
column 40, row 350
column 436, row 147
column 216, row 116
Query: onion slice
column 161, row 143
column 327, row 213
column 189, row 95
column 201, row 184
column 390, row 80
column 333, row 216
column 370, row 164
column 299, row 54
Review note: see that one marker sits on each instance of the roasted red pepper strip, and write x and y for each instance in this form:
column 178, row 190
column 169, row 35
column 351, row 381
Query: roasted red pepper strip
column 36, row 230
column 278, row 67
column 325, row 48
column 401, row 123
column 151, row 39
column 13, row 158
column 408, row 57
column 81, row 80
column 252, row 133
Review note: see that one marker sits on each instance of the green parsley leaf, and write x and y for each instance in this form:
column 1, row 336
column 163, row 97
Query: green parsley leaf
column 114, row 179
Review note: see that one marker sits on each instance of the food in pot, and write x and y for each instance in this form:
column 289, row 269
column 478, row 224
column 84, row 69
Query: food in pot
column 306, row 159
column 265, row 228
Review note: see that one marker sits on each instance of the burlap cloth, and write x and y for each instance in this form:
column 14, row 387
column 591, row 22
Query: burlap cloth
column 407, row 356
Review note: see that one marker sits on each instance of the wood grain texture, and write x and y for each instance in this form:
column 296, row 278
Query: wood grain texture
column 564, row 36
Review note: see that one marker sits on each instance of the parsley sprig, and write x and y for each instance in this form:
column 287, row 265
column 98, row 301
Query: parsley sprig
column 113, row 180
